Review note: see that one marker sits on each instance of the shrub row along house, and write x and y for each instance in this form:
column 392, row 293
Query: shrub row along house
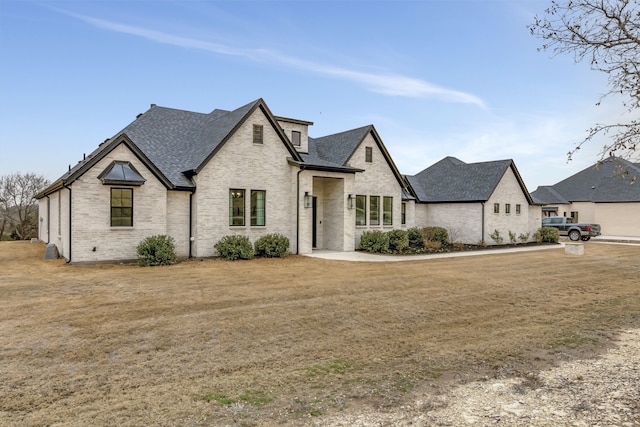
column 199, row 177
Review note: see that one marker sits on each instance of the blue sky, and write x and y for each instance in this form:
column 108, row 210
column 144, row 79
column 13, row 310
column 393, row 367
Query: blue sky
column 436, row 78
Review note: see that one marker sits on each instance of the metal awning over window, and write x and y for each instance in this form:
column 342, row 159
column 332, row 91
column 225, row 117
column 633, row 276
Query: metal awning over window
column 549, row 209
column 121, row 173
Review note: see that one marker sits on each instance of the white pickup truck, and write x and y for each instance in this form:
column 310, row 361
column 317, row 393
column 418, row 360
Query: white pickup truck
column 574, row 231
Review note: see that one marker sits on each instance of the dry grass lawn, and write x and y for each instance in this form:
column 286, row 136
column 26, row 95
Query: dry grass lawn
column 286, row 341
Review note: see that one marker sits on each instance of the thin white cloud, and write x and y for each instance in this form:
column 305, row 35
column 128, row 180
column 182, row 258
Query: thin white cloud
column 387, row 84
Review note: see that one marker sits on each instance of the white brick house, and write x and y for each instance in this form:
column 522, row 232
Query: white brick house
column 472, row 200
column 199, row 177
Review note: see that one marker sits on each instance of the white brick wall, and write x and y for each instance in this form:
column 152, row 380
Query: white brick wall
column 241, row 164
column 91, row 206
column 464, row 220
column 509, row 191
column 377, row 180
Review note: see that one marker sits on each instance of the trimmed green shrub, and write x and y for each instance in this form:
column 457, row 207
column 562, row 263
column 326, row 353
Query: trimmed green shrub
column 272, row 246
column 435, row 234
column 415, row 237
column 234, row 247
column 375, row 241
column 398, row 240
column 156, row 250
column 547, row 234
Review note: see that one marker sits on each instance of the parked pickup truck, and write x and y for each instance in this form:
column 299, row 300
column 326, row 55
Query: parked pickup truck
column 574, row 231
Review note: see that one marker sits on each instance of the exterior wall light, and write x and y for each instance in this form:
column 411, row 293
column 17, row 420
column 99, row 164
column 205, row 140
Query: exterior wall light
column 308, row 200
column 350, row 202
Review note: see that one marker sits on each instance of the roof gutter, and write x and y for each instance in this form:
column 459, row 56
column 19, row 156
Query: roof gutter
column 322, row 168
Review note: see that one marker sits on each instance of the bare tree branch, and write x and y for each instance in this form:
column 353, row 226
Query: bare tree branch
column 606, row 34
column 18, row 209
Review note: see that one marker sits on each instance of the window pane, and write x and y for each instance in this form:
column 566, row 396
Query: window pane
column 374, row 210
column 403, row 213
column 496, row 208
column 257, row 207
column 236, row 207
column 361, row 210
column 387, row 214
column 368, row 157
column 121, row 207
column 507, row 208
column 518, row 209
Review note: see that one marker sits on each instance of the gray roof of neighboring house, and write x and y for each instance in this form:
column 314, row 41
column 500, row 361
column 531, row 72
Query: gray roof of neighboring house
column 612, row 180
column 453, row 181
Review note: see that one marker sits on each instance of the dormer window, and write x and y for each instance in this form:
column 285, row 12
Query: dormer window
column 296, row 137
column 121, row 173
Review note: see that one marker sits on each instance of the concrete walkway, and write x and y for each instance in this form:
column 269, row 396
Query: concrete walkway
column 368, row 257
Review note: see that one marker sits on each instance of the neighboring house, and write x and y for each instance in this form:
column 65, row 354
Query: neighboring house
column 199, row 177
column 607, row 193
column 472, row 200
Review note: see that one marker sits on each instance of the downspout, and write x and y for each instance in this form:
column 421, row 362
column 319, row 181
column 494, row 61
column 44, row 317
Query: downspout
column 190, row 225
column 70, row 223
column 48, row 219
column 298, row 209
column 482, row 236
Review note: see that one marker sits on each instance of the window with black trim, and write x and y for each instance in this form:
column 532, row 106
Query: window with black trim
column 258, row 203
column 296, row 137
column 236, row 207
column 257, row 134
column 507, row 208
column 387, row 210
column 496, row 208
column 518, row 209
column 121, row 207
column 361, row 209
column 374, row 210
column 403, row 214
column 368, row 154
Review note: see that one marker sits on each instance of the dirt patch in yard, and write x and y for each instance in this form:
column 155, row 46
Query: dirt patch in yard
column 295, row 340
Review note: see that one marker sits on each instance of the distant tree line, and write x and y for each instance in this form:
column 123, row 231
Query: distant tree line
column 18, row 208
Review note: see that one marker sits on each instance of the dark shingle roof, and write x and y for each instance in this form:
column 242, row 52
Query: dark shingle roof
column 173, row 142
column 546, row 195
column 452, row 180
column 339, row 147
column 612, row 180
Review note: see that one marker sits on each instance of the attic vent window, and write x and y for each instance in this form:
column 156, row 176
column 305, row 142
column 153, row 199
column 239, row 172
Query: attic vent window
column 121, row 173
column 368, row 154
column 257, row 134
column 295, row 138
